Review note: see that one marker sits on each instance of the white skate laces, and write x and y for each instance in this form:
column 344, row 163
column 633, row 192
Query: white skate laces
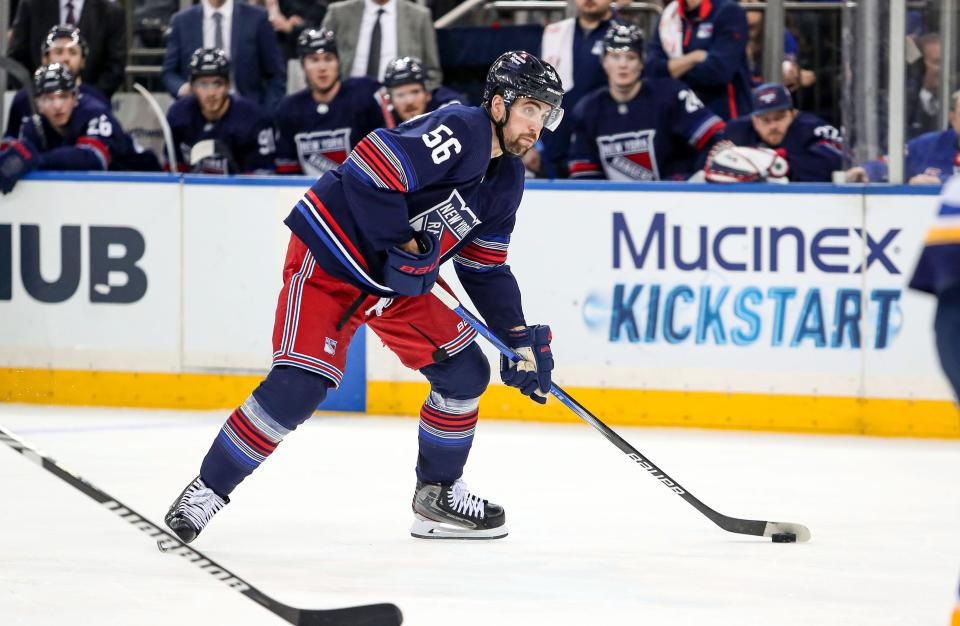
column 199, row 504
column 462, row 501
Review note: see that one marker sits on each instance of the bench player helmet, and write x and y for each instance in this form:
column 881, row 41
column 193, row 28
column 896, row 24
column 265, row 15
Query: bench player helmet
column 520, row 74
column 314, row 40
column 52, row 78
column 404, row 71
column 623, row 38
column 209, row 62
column 64, row 31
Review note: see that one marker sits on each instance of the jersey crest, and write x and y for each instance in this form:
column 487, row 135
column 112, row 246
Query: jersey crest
column 450, row 220
column 322, row 150
column 629, row 156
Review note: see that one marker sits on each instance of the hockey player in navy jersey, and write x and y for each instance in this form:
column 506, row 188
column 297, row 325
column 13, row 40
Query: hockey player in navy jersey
column 65, row 45
column 654, row 129
column 215, row 131
column 404, row 80
column 73, row 134
column 812, row 148
column 367, row 242
column 938, row 273
column 318, row 126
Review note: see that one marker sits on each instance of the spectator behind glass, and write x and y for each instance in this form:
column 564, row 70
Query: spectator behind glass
column 923, row 88
column 655, row 129
column 574, row 46
column 812, row 148
column 317, row 127
column 703, row 43
column 386, row 28
column 217, row 132
column 931, row 158
column 245, row 36
column 63, row 44
column 407, row 96
column 792, row 75
column 103, row 28
column 73, row 134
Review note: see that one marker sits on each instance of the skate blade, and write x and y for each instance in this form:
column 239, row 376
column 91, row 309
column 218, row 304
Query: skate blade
column 424, row 528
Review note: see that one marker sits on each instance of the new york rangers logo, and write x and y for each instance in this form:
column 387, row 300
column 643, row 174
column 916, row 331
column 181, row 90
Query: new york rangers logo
column 450, row 221
column 629, row 156
column 322, row 150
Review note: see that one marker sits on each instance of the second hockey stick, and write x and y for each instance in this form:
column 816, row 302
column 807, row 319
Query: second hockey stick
column 370, row 615
column 730, row 524
column 23, row 77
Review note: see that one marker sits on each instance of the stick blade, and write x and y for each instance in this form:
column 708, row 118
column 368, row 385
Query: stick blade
column 385, row 614
column 774, row 528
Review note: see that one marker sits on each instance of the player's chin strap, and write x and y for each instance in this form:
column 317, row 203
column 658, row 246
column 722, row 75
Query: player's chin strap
column 498, row 126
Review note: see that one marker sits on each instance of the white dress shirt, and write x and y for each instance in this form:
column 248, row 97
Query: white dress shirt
column 388, row 37
column 77, row 8
column 209, row 25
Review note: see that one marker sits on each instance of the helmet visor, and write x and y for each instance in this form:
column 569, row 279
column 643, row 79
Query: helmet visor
column 554, row 117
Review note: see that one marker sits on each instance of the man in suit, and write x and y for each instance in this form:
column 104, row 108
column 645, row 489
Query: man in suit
column 386, row 28
column 244, row 33
column 103, row 28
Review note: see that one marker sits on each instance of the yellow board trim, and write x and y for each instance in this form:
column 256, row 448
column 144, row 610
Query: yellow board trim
column 939, row 235
column 701, row 409
column 617, row 407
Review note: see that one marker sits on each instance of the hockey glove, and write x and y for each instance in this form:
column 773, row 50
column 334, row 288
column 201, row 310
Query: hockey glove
column 531, row 375
column 18, row 160
column 413, row 274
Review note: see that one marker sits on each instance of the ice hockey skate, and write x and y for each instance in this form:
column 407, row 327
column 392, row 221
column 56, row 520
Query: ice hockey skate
column 452, row 512
column 191, row 511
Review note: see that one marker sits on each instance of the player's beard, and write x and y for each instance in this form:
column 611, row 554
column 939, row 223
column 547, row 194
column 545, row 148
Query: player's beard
column 516, row 148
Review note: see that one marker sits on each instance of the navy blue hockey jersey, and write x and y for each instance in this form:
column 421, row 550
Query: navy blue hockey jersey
column 92, row 140
column 245, row 130
column 20, row 107
column 659, row 135
column 812, row 147
column 313, row 137
column 432, row 173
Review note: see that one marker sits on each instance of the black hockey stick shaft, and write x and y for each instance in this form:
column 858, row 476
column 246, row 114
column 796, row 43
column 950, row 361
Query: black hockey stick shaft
column 730, row 524
column 22, row 75
column 370, row 615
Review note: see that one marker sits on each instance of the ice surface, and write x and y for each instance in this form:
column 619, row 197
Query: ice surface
column 593, row 539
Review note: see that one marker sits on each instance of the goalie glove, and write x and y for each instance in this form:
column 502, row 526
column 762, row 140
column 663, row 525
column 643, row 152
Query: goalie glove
column 531, row 375
column 728, row 163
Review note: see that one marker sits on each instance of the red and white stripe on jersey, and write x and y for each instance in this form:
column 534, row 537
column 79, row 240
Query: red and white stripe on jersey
column 584, row 169
column 286, row 166
column 460, row 342
column 703, row 133
column 482, row 254
column 98, row 148
column 379, row 163
column 287, row 355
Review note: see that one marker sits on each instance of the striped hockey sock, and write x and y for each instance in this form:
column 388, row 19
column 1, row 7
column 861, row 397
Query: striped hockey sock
column 245, row 441
column 446, row 435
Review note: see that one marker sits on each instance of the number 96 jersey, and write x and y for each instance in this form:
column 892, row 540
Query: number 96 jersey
column 432, row 172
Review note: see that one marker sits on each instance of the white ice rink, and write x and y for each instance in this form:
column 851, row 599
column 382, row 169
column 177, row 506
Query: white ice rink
column 593, row 539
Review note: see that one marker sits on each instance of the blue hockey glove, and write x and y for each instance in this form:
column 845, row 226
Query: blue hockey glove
column 18, row 160
column 413, row 274
column 532, row 375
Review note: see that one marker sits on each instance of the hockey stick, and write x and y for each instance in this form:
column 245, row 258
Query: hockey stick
column 164, row 125
column 730, row 524
column 19, row 72
column 369, row 615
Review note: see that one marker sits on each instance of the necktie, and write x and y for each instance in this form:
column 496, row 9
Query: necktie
column 218, row 30
column 373, row 59
column 71, row 18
